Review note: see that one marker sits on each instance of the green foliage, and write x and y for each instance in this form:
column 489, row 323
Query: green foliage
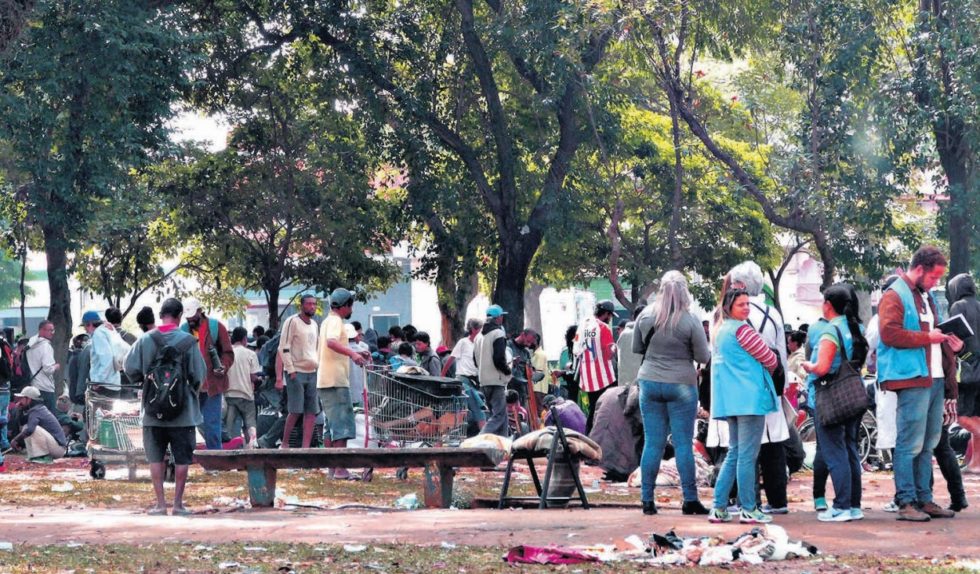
column 84, row 97
column 288, row 202
column 129, row 250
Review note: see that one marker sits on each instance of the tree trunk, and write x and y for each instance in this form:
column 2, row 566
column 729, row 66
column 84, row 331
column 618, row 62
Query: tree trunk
column 23, row 286
column 59, row 310
column 960, row 224
column 512, row 270
column 673, row 235
column 272, row 303
column 532, row 306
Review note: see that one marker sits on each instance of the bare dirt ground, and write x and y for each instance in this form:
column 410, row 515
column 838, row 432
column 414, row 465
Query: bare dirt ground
column 37, row 511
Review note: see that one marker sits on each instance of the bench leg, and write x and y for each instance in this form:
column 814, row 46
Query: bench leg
column 438, row 485
column 261, row 485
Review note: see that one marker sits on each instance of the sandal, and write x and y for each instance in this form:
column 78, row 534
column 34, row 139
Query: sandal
column 181, row 511
column 157, row 511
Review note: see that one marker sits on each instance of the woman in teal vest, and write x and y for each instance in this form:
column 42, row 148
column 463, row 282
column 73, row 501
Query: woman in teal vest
column 742, row 393
column 838, row 444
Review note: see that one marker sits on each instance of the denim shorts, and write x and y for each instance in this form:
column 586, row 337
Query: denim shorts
column 181, row 441
column 339, row 411
column 301, row 397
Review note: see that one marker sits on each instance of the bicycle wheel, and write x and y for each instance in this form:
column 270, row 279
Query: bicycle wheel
column 808, row 436
column 868, row 439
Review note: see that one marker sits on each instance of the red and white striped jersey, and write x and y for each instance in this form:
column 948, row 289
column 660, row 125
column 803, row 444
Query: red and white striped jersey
column 595, row 370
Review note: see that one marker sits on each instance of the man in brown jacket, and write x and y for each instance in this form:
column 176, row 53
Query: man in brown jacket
column 215, row 346
column 917, row 361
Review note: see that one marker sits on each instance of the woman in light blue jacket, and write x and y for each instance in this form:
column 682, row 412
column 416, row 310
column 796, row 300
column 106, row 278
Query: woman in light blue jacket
column 742, row 393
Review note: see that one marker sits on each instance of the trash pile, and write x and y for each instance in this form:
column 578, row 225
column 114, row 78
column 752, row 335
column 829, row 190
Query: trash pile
column 767, row 543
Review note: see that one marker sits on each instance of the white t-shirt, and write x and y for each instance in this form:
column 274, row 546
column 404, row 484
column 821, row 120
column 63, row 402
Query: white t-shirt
column 463, row 354
column 239, row 375
column 936, row 353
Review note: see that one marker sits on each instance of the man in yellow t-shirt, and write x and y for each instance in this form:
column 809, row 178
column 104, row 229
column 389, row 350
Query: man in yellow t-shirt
column 333, row 377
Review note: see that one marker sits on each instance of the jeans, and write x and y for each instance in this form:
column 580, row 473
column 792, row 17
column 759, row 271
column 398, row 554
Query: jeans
column 211, row 428
column 473, row 401
column 744, row 440
column 820, row 474
column 838, row 444
column 920, row 424
column 4, row 413
column 668, row 408
column 51, row 401
column 497, row 400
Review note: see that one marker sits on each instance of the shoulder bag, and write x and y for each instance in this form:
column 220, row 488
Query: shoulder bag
column 841, row 396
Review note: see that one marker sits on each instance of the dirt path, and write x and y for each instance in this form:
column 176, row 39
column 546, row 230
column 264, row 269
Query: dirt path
column 878, row 534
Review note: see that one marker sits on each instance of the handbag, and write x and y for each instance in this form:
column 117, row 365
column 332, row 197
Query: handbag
column 841, row 396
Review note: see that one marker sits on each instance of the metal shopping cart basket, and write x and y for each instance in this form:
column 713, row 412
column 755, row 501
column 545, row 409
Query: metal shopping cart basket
column 407, row 409
column 114, row 426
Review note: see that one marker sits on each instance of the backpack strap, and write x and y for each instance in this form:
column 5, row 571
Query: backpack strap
column 646, row 340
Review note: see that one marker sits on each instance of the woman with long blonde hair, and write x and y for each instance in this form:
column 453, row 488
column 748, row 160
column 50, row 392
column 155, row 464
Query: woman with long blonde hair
column 671, row 340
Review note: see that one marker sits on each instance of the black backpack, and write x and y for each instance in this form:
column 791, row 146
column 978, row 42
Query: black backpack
column 21, row 374
column 165, row 385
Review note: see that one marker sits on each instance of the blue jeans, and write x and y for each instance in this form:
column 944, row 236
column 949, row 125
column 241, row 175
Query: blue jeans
column 838, row 445
column 744, row 441
column 473, row 401
column 668, row 408
column 211, row 428
column 920, row 424
column 4, row 412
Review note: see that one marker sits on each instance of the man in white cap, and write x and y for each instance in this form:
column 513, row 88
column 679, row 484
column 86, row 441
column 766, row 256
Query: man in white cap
column 42, row 435
column 214, row 343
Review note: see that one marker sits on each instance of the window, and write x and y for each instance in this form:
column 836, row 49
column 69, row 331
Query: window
column 381, row 323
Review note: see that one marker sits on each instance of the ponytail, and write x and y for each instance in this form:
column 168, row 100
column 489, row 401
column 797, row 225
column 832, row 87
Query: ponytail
column 843, row 298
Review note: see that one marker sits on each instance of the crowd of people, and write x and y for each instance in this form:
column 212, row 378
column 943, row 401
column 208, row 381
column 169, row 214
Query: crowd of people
column 743, row 374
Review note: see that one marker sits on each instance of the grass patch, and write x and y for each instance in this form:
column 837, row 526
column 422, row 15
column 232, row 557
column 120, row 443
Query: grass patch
column 309, row 558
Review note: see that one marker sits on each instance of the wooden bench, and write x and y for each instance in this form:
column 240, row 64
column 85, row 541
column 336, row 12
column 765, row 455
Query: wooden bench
column 261, row 465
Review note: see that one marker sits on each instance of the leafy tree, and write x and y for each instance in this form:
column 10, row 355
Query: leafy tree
column 945, row 69
column 85, row 95
column 13, row 16
column 498, row 85
column 288, row 202
column 834, row 171
column 130, row 250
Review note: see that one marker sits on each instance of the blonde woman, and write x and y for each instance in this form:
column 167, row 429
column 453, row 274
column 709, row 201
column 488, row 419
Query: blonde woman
column 670, row 339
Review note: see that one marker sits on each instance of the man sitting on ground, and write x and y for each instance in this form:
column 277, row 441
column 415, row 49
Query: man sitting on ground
column 42, row 435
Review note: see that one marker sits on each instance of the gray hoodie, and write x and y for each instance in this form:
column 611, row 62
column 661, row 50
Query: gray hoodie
column 961, row 292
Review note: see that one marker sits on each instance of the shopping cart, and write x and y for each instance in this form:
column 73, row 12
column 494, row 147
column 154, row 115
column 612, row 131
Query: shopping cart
column 413, row 409
column 114, row 428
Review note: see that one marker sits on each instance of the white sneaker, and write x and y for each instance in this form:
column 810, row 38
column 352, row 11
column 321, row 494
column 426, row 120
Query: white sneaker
column 890, row 507
column 834, row 515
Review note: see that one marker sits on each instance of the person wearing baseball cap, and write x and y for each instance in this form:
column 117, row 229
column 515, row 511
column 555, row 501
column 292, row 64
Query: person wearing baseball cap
column 42, row 434
column 333, row 376
column 214, row 342
column 495, row 311
column 490, row 352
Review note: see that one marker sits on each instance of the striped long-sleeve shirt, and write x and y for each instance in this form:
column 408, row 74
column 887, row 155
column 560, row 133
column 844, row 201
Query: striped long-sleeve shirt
column 753, row 344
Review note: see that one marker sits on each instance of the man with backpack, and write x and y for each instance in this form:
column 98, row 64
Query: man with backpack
column 215, row 347
column 172, row 370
